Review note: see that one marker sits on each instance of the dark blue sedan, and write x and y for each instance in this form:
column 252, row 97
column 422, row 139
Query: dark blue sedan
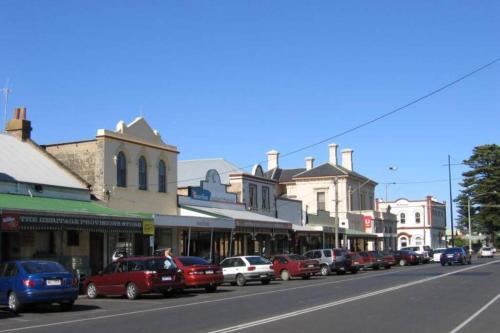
column 456, row 255
column 24, row 282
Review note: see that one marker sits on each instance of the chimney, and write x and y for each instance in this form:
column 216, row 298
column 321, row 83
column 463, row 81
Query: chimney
column 272, row 159
column 347, row 159
column 333, row 153
column 19, row 126
column 309, row 163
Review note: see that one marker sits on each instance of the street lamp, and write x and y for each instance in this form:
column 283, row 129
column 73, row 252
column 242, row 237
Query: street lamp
column 468, row 213
column 392, row 168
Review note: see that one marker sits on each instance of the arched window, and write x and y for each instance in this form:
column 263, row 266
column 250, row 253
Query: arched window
column 417, row 217
column 143, row 174
column 402, row 218
column 403, row 241
column 162, row 177
column 418, row 241
column 121, row 170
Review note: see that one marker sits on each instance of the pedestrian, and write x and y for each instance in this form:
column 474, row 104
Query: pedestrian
column 169, row 262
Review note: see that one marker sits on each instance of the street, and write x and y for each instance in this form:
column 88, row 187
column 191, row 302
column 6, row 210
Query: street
column 424, row 298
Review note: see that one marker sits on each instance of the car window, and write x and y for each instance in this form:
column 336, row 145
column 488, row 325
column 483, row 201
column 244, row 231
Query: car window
column 155, row 264
column 122, row 267
column 257, row 261
column 296, row 257
column 486, row 249
column 338, row 253
column 137, row 265
column 317, row 254
column 327, row 253
column 190, row 261
column 238, row 262
column 226, row 263
column 10, row 270
column 111, row 268
column 34, row 267
column 308, row 255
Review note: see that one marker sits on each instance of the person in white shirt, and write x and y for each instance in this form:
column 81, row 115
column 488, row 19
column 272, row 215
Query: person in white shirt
column 169, row 262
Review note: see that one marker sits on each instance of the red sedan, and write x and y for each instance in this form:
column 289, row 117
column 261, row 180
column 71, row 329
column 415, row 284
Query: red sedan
column 293, row 265
column 134, row 276
column 199, row 273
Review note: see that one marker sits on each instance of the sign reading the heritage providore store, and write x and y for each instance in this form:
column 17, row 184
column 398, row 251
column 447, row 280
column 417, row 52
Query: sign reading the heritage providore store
column 13, row 221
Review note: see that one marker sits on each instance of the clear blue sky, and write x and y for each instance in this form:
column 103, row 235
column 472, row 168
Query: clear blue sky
column 235, row 79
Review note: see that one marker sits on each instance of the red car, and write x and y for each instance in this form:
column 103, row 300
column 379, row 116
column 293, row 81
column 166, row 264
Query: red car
column 382, row 259
column 371, row 260
column 134, row 276
column 293, row 265
column 389, row 258
column 199, row 273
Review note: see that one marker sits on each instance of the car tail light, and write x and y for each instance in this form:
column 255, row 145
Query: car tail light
column 196, row 273
column 150, row 272
column 251, row 268
column 29, row 283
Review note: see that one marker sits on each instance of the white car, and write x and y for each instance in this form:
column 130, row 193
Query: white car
column 485, row 252
column 436, row 254
column 240, row 270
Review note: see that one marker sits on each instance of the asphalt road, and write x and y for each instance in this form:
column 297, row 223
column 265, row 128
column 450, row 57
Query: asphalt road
column 425, row 298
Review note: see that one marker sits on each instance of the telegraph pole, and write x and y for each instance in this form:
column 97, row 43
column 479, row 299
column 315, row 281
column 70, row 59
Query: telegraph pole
column 451, row 203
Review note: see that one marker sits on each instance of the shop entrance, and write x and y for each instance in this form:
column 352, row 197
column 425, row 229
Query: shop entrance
column 96, row 252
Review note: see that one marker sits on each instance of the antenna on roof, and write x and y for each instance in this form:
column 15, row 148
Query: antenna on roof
column 6, row 91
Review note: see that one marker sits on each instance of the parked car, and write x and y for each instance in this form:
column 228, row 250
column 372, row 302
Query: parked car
column 333, row 260
column 294, row 265
column 371, row 259
column 389, row 257
column 30, row 282
column 405, row 257
column 199, row 273
column 485, row 252
column 133, row 276
column 240, row 270
column 436, row 254
column 455, row 255
column 424, row 254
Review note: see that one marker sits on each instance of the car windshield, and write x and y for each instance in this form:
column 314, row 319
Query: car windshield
column 486, row 249
column 190, row 261
column 257, row 261
column 34, row 267
column 453, row 250
column 296, row 257
column 439, row 250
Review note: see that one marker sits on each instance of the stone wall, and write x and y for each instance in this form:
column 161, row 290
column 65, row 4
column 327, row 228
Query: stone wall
column 79, row 157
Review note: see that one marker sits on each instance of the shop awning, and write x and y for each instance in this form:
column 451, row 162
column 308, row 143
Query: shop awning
column 21, row 212
column 243, row 218
column 352, row 233
column 193, row 222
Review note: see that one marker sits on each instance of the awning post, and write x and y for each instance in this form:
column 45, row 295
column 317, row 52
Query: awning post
column 211, row 242
column 189, row 240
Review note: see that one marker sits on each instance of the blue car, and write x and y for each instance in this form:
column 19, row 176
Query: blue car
column 27, row 282
column 455, row 255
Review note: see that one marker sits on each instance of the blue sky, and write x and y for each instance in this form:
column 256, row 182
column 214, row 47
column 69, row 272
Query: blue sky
column 235, row 79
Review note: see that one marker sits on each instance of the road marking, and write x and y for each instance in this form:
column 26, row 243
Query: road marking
column 122, row 314
column 340, row 302
column 478, row 312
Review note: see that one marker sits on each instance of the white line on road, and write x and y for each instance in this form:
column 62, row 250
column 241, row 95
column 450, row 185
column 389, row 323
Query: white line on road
column 478, row 312
column 340, row 302
column 122, row 314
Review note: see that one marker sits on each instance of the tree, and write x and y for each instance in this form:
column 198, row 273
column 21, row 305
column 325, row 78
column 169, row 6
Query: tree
column 481, row 184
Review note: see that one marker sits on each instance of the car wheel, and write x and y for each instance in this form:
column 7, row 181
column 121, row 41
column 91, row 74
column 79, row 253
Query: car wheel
column 240, row 280
column 211, row 289
column 132, row 292
column 285, row 276
column 402, row 262
column 266, row 281
column 14, row 304
column 67, row 306
column 91, row 291
column 324, row 270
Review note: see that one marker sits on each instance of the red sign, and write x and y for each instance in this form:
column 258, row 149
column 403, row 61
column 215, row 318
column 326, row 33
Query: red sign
column 368, row 222
column 10, row 222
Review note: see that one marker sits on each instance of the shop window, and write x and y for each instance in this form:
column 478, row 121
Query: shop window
column 321, row 201
column 73, row 238
column 121, row 170
column 417, row 217
column 253, row 196
column 162, row 177
column 402, row 218
column 265, row 198
column 143, row 174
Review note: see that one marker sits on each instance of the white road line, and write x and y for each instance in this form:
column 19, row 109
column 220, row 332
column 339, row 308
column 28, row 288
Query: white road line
column 478, row 312
column 340, row 302
column 123, row 314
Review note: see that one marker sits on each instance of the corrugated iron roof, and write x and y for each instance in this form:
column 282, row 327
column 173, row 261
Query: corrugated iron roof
column 191, row 172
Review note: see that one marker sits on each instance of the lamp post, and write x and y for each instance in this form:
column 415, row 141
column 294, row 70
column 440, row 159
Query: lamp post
column 392, row 168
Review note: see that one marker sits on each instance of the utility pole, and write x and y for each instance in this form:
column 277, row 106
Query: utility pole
column 336, row 183
column 451, row 204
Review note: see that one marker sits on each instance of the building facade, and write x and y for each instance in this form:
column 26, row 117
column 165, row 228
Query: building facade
column 420, row 222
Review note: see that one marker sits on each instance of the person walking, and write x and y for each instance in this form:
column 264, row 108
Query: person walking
column 169, row 261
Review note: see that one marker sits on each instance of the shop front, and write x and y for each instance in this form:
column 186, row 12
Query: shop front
column 82, row 242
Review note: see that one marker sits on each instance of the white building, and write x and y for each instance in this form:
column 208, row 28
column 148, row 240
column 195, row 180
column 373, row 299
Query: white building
column 420, row 222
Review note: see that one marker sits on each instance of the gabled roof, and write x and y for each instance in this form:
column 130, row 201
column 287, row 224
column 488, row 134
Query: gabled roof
column 24, row 162
column 324, row 170
column 283, row 175
column 191, row 172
